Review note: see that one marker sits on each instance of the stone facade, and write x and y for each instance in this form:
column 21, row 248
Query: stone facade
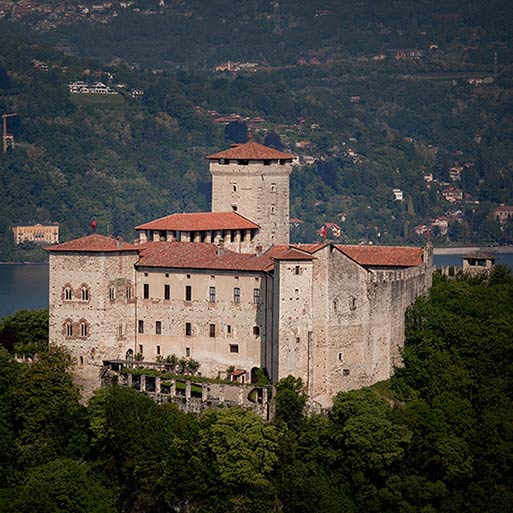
column 330, row 314
column 256, row 191
column 92, row 308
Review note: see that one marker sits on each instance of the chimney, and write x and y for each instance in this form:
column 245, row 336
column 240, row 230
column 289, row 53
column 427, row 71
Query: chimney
column 259, row 250
column 119, row 242
column 220, row 247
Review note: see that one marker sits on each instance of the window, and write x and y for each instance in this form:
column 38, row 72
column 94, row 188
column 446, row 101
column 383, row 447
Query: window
column 234, row 187
column 129, row 292
column 228, row 329
column 167, row 275
column 140, row 348
column 187, row 352
column 140, row 326
column 121, row 330
column 273, row 209
column 158, row 327
column 340, row 357
column 297, row 270
column 345, row 372
column 234, row 348
column 352, row 303
column 84, row 294
column 68, row 294
column 234, row 208
column 158, row 349
column 236, row 295
column 146, row 291
column 69, row 328
column 81, row 360
column 188, row 293
column 188, row 329
column 212, row 294
column 212, row 330
column 112, row 293
column 256, row 330
column 83, row 329
column 256, row 296
column 167, row 292
column 273, row 187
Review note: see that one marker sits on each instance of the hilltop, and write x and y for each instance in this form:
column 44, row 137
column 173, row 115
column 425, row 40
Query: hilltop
column 401, row 120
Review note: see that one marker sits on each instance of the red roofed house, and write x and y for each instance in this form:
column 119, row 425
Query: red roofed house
column 228, row 290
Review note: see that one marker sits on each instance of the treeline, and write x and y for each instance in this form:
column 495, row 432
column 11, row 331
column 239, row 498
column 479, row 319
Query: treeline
column 124, row 161
column 436, row 437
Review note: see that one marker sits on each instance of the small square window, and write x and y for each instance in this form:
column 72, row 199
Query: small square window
column 234, row 348
column 167, row 275
column 256, row 330
column 345, row 372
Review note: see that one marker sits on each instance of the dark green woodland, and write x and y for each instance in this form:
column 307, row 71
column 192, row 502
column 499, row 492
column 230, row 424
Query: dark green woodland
column 438, row 436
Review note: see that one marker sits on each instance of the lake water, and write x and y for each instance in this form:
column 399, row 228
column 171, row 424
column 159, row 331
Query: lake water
column 25, row 287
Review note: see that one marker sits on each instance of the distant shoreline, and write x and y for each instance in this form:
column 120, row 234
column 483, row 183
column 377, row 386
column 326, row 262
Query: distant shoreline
column 469, row 249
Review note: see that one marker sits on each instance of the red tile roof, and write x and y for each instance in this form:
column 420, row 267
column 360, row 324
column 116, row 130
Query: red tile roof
column 201, row 221
column 385, row 256
column 198, row 255
column 285, row 252
column 251, row 151
column 94, row 243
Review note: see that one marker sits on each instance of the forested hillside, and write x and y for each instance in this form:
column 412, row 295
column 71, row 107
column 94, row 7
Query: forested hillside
column 373, row 97
column 436, row 437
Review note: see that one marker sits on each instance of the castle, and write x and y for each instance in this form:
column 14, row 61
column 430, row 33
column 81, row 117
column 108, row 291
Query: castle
column 228, row 289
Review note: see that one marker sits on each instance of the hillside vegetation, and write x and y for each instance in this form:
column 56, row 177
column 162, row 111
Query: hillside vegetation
column 328, row 82
column 436, row 437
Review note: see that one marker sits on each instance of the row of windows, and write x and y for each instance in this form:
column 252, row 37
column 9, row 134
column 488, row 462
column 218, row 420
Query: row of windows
column 211, row 293
column 212, row 329
column 69, row 329
column 233, row 348
column 85, row 293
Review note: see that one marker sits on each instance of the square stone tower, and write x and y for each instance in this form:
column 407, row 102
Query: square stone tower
column 253, row 180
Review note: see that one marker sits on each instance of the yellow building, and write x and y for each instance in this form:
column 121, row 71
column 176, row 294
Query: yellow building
column 43, row 234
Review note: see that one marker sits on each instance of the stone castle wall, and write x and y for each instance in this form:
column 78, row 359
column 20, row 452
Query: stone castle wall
column 292, row 305
column 257, row 191
column 239, row 328
column 108, row 313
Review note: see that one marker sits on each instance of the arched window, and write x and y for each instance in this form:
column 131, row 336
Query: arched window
column 68, row 293
column 112, row 293
column 84, row 331
column 84, row 293
column 256, row 331
column 68, row 328
column 81, row 361
column 129, row 292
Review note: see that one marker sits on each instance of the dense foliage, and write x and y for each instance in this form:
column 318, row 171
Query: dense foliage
column 125, row 161
column 438, row 436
